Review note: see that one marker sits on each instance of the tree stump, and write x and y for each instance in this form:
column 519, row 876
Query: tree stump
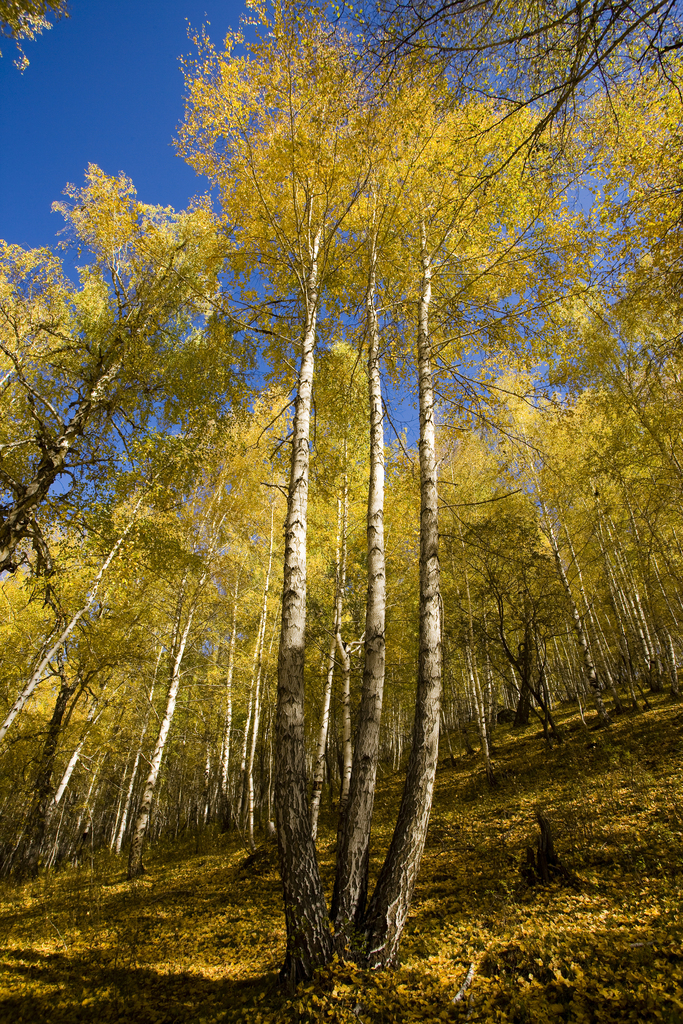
column 542, row 867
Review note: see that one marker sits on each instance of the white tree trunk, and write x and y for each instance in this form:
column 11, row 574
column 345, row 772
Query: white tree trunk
column 591, row 674
column 131, row 785
column 473, row 670
column 319, row 762
column 347, row 747
column 390, row 903
column 257, row 689
column 350, row 892
column 593, row 620
column 73, row 760
column 41, row 671
column 345, row 657
column 135, row 866
column 309, row 942
column 225, row 765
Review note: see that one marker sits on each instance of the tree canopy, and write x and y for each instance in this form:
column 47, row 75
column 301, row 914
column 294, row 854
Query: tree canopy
column 236, row 585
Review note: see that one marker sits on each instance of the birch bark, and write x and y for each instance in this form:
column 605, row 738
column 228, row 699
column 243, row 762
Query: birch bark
column 593, row 619
column 40, row 673
column 225, row 763
column 257, row 691
column 17, row 524
column 26, row 857
column 591, row 674
column 347, row 746
column 351, row 882
column 135, row 865
column 390, row 903
column 473, row 670
column 319, row 763
column 345, row 660
column 309, row 942
column 92, row 716
column 133, row 775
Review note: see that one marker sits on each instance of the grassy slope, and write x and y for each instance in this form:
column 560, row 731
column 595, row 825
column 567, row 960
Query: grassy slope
column 199, row 938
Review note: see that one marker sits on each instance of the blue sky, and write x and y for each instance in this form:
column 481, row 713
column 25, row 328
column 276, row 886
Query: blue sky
column 102, row 87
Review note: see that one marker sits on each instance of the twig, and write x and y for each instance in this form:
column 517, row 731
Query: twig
column 58, row 932
column 278, row 487
column 460, row 994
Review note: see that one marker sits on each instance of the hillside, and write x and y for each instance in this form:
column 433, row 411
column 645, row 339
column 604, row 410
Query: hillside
column 199, row 937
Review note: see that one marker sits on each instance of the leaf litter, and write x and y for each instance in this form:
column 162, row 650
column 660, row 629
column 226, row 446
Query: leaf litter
column 200, row 937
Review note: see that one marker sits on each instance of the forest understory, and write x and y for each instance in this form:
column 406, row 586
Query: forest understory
column 200, row 936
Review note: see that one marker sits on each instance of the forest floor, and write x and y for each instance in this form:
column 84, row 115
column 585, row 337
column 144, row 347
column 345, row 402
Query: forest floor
column 200, row 937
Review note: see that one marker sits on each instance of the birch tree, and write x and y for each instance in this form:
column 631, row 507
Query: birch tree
column 285, row 113
column 76, row 362
column 211, row 521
